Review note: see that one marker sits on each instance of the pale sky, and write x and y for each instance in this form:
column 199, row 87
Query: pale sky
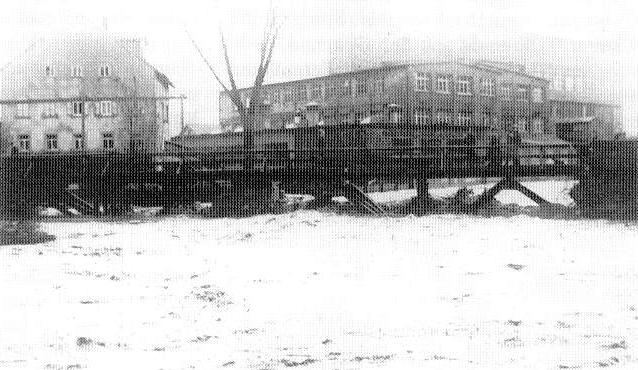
column 600, row 37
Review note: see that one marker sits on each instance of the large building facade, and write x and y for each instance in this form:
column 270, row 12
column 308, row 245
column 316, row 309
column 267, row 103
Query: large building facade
column 449, row 98
column 87, row 92
column 582, row 103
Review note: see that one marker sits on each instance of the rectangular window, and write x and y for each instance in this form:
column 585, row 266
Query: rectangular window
column 344, row 118
column 346, row 88
column 359, row 117
column 105, row 71
column 23, row 111
column 506, row 92
column 464, row 85
column 379, row 86
column 286, row 96
column 52, row 142
column 421, row 81
column 77, row 108
column 537, row 95
column 362, row 87
column 315, row 92
column 77, row 71
column 79, row 141
column 164, row 112
column 105, row 108
column 521, row 93
column 421, row 116
column 443, row 84
column 300, row 93
column 487, row 119
column 464, row 118
column 49, row 111
column 107, row 141
column 487, row 87
column 443, row 118
column 24, row 143
column 48, row 71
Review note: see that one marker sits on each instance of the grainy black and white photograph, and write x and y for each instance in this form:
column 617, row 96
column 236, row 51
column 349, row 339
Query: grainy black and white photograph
column 318, row 184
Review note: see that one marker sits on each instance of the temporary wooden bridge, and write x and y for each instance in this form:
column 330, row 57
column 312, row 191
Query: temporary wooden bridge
column 110, row 183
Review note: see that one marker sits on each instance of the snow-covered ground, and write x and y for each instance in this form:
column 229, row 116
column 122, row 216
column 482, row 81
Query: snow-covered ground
column 551, row 190
column 322, row 291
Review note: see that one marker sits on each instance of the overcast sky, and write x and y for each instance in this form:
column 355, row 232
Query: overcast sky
column 600, row 37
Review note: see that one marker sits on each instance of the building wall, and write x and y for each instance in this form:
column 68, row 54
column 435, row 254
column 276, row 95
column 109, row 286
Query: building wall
column 49, row 70
column 404, row 96
column 607, row 119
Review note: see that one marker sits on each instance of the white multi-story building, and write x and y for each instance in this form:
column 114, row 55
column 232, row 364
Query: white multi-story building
column 84, row 92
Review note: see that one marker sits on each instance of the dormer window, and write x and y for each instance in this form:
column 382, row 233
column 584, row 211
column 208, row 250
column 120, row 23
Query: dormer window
column 77, row 71
column 105, row 71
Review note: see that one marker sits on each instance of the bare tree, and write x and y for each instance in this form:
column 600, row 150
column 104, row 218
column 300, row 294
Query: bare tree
column 247, row 111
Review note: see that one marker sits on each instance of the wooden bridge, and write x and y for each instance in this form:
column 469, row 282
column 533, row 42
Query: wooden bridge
column 109, row 182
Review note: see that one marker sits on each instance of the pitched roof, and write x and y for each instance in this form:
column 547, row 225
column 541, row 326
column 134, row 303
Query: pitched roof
column 162, row 78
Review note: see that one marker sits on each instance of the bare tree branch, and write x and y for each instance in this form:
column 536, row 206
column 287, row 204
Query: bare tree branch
column 233, row 98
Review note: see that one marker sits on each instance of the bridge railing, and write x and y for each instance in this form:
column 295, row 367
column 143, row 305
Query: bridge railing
column 435, row 156
column 439, row 158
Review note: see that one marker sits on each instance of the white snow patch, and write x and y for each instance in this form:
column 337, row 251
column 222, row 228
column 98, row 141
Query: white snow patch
column 323, row 291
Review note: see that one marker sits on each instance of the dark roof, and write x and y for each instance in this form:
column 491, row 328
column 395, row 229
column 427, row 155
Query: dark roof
column 162, row 79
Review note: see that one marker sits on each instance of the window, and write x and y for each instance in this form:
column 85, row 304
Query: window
column 421, row 116
column 48, row 70
column 164, row 111
column 538, row 126
column 443, row 84
column 52, row 142
column 23, row 111
column 275, row 96
column 464, row 118
column 107, row 141
column 49, row 111
column 300, row 93
column 464, row 85
column 506, row 92
column 344, row 118
column 523, row 124
column 487, row 87
column 379, row 86
column 362, row 87
column 359, row 117
column 537, row 95
column 421, row 81
column 315, row 92
column 105, row 71
column 77, row 71
column 24, row 143
column 79, row 141
column 487, row 119
column 332, row 89
column 77, row 108
column 521, row 93
column 346, row 88
column 443, row 118
column 105, row 108
column 286, row 96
